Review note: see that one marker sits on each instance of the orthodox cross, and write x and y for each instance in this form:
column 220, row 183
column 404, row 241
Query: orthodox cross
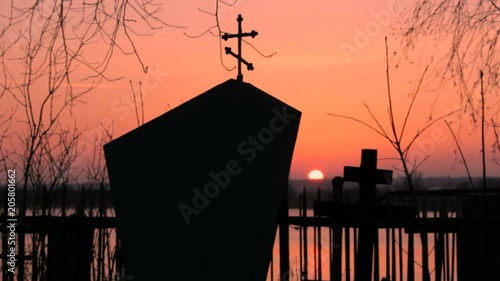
column 239, row 35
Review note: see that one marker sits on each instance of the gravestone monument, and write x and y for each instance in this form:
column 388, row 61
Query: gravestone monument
column 368, row 176
column 361, row 215
column 197, row 191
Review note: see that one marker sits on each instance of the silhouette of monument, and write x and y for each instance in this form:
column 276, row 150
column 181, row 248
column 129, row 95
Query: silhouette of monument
column 197, row 191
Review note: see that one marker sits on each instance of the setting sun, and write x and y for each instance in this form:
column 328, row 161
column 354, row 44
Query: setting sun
column 315, row 175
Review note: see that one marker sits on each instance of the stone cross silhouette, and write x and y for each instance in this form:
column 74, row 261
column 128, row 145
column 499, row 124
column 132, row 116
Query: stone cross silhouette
column 239, row 35
column 368, row 177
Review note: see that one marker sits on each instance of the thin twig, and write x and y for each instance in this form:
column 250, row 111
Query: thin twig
column 378, row 123
column 461, row 153
column 497, row 139
column 363, row 123
column 412, row 102
column 257, row 50
column 427, row 127
column 389, row 96
column 135, row 104
column 142, row 102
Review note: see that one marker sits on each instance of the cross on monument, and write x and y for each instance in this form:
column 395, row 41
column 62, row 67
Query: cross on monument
column 239, row 35
column 368, row 177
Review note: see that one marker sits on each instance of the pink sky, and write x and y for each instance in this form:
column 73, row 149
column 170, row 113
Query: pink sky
column 330, row 58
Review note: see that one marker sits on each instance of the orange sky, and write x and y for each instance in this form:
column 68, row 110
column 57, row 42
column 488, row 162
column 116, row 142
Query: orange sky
column 311, row 71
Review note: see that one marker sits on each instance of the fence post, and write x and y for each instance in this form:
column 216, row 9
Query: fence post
column 336, row 266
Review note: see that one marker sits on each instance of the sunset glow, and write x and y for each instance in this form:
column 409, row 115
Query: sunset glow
column 322, row 58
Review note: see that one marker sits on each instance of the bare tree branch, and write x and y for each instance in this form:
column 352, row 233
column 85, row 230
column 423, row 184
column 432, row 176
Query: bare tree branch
column 464, row 40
